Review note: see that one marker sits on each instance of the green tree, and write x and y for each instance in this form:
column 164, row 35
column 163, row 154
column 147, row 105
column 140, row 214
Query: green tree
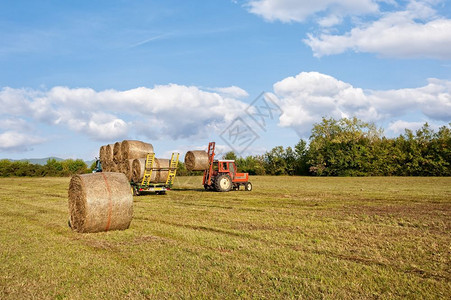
column 254, row 165
column 5, row 166
column 275, row 163
column 290, row 161
column 53, row 168
column 71, row 167
column 302, row 158
column 230, row 155
column 341, row 148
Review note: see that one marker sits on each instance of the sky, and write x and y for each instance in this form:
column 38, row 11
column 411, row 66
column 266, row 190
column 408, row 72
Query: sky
column 250, row 75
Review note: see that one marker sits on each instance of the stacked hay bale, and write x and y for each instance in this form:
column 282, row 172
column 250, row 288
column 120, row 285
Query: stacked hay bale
column 126, row 168
column 129, row 157
column 134, row 149
column 100, row 202
column 159, row 173
column 117, row 154
column 106, row 157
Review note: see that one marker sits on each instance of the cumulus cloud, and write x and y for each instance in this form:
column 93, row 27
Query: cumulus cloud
column 417, row 32
column 14, row 124
column 17, row 141
column 300, row 10
column 309, row 96
column 398, row 34
column 406, row 29
column 164, row 111
column 398, row 127
column 16, row 135
column 232, row 91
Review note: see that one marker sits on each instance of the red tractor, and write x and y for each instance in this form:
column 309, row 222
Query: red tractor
column 222, row 175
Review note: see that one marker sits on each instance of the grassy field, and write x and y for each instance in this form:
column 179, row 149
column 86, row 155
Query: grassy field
column 292, row 237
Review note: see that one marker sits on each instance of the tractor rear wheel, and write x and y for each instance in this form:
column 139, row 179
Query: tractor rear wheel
column 248, row 187
column 223, row 183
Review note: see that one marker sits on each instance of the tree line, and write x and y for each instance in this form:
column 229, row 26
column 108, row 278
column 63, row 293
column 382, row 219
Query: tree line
column 345, row 147
column 351, row 147
column 53, row 168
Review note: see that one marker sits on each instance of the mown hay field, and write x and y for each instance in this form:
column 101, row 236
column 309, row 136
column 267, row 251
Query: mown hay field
column 291, row 237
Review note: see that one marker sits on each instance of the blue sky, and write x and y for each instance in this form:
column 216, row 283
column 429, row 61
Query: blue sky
column 75, row 75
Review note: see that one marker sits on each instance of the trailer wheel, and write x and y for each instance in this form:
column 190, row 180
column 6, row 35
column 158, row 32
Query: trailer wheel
column 223, row 183
column 248, row 187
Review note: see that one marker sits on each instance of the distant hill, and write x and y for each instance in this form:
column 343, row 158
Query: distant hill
column 43, row 161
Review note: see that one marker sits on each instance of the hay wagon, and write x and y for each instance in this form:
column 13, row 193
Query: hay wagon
column 166, row 176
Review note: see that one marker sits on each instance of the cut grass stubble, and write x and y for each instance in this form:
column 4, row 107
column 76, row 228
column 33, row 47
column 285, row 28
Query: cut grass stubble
column 291, row 237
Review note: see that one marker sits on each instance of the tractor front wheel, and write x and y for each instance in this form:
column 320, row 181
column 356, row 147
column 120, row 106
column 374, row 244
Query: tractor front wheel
column 223, row 183
column 248, row 187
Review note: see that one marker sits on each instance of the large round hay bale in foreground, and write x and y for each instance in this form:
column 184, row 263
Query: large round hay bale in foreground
column 196, row 160
column 135, row 149
column 117, row 154
column 100, row 202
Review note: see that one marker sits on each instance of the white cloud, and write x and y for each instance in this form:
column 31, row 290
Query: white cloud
column 309, row 96
column 17, row 141
column 231, row 91
column 17, row 135
column 15, row 101
column 405, row 29
column 300, row 10
column 165, row 111
column 14, row 124
column 400, row 126
column 417, row 32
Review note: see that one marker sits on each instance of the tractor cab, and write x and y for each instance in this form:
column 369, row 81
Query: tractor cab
column 229, row 167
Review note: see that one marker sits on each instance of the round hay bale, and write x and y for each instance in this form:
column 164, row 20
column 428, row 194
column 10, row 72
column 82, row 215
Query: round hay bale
column 126, row 168
column 114, row 167
column 159, row 173
column 102, row 155
column 162, row 165
column 117, row 154
column 100, row 202
column 196, row 160
column 138, row 168
column 105, row 166
column 109, row 153
column 135, row 149
column 121, row 167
